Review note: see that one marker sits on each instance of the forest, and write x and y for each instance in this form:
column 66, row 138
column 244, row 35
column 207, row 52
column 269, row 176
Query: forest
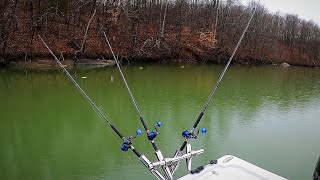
column 188, row 31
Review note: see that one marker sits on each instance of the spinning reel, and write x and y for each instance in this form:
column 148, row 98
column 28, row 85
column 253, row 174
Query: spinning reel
column 190, row 134
column 127, row 142
column 152, row 135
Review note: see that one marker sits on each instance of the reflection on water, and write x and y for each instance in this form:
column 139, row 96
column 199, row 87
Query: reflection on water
column 267, row 115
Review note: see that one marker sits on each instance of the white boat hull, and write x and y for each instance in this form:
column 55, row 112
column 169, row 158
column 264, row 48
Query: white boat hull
column 232, row 168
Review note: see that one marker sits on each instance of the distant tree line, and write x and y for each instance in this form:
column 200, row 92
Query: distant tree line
column 196, row 30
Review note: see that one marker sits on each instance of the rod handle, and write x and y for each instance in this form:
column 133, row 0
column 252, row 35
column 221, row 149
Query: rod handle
column 144, row 123
column 183, row 145
column 117, row 131
column 135, row 151
column 198, row 119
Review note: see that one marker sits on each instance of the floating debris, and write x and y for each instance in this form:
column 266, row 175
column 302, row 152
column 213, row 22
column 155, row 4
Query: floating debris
column 182, row 67
column 84, row 77
column 111, row 78
column 141, row 68
column 285, row 64
column 93, row 63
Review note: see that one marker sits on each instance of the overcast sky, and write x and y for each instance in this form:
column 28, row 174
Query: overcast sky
column 305, row 9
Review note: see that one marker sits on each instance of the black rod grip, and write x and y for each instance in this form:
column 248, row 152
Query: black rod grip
column 198, row 120
column 136, row 152
column 143, row 123
column 154, row 146
column 183, row 145
column 116, row 130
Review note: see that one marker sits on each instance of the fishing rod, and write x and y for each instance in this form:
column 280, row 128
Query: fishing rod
column 126, row 142
column 192, row 134
column 151, row 135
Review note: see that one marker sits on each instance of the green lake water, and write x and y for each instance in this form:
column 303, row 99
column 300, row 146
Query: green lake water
column 267, row 115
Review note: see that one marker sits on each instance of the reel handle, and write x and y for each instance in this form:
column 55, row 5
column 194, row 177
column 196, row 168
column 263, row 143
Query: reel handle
column 127, row 142
column 187, row 134
column 152, row 135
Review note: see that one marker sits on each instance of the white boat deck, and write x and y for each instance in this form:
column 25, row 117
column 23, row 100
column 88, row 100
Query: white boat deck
column 232, row 168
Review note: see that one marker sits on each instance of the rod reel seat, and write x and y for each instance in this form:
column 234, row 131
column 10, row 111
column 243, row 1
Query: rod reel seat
column 127, row 142
column 190, row 134
column 152, row 135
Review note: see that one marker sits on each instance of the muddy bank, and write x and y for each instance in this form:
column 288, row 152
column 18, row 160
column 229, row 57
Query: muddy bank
column 45, row 64
column 51, row 64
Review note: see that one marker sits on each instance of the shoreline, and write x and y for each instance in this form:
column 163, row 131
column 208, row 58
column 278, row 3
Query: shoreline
column 187, row 33
column 49, row 64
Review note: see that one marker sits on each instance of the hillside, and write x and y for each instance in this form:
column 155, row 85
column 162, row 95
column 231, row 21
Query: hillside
column 155, row 31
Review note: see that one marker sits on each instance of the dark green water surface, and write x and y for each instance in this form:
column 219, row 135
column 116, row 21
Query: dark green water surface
column 267, row 115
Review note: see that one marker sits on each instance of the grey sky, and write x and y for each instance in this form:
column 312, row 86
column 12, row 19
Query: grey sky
column 305, row 9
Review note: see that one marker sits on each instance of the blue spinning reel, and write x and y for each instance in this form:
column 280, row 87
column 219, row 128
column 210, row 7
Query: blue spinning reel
column 127, row 142
column 155, row 133
column 187, row 134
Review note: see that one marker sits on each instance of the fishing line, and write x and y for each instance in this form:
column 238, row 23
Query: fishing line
column 127, row 142
column 190, row 134
column 133, row 99
column 110, row 132
column 150, row 135
column 209, row 99
column 125, row 82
